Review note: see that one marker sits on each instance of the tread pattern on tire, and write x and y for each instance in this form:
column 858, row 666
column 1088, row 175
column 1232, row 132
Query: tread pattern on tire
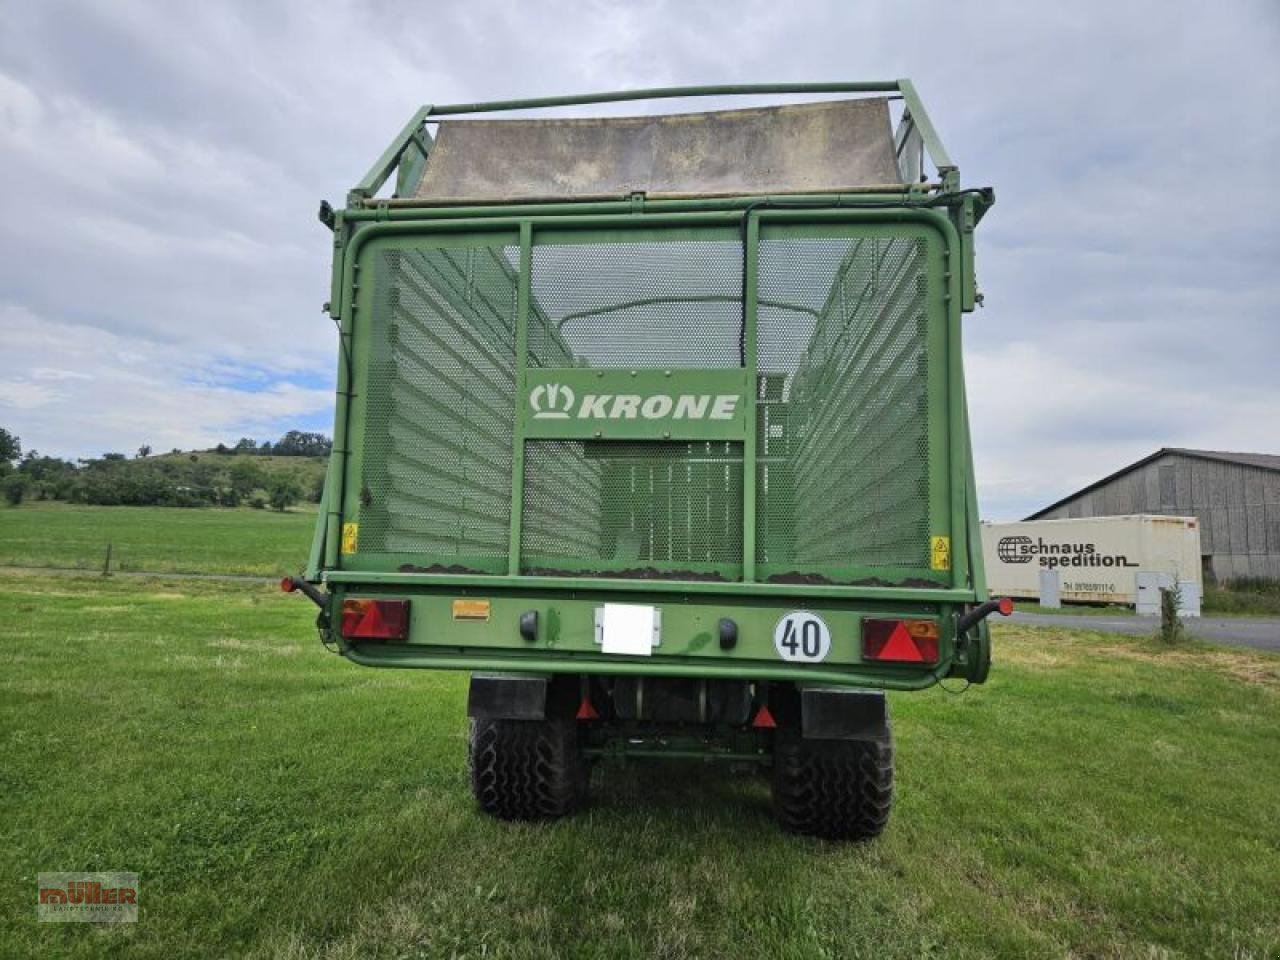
column 526, row 769
column 837, row 789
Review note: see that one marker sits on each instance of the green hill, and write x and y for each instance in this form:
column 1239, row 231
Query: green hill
column 308, row 471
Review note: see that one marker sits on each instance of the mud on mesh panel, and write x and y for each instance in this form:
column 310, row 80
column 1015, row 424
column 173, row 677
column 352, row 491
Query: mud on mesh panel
column 441, row 405
column 633, row 509
column 670, row 303
column 843, row 471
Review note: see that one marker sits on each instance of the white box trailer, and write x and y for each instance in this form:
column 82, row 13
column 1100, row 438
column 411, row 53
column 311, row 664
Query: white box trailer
column 1096, row 559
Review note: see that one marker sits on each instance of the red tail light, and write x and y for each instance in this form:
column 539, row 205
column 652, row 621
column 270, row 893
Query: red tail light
column 900, row 641
column 375, row 619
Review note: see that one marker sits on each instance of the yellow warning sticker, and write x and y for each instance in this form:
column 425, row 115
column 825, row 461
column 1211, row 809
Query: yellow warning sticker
column 350, row 534
column 471, row 610
column 940, row 553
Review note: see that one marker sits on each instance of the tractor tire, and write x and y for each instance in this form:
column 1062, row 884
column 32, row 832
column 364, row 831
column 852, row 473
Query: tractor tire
column 835, row 789
column 527, row 769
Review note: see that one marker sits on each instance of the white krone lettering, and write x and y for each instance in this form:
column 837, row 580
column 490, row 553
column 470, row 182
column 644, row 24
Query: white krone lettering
column 594, row 406
column 625, row 407
column 724, row 406
column 690, row 407
column 656, row 407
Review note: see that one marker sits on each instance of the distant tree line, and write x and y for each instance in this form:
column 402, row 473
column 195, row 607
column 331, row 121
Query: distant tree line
column 295, row 443
column 173, row 481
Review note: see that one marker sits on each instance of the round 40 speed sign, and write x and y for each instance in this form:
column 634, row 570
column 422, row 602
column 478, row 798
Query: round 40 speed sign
column 802, row 637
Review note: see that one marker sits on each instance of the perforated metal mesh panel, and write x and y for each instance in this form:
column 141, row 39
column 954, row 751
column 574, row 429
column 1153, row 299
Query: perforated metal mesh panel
column 441, row 399
column 645, row 304
column 649, row 509
column 843, row 449
column 843, row 471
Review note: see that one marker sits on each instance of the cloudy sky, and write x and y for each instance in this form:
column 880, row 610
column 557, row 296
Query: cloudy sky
column 162, row 269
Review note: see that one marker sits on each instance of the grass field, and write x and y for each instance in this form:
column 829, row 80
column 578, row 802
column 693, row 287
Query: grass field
column 157, row 539
column 1076, row 609
column 1246, row 598
column 1099, row 797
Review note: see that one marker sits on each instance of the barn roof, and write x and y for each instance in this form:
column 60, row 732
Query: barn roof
column 1263, row 461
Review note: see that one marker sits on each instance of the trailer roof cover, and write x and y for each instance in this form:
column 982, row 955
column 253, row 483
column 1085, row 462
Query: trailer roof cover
column 836, row 146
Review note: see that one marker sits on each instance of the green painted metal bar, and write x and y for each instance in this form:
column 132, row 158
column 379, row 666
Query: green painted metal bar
column 372, row 181
column 342, row 229
column 656, row 587
column 666, row 93
column 410, row 139
column 750, row 253
column 523, row 296
column 785, row 214
column 412, row 161
column 938, row 338
column 334, row 482
column 404, row 655
column 932, row 142
column 959, row 458
column 892, row 214
column 380, row 211
column 659, row 301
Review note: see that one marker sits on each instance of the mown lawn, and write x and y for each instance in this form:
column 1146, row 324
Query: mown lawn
column 1099, row 797
column 157, row 539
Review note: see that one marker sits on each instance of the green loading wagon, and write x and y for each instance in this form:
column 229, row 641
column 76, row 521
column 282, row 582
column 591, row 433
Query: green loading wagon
column 657, row 426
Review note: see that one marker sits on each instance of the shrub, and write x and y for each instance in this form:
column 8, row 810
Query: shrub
column 284, row 492
column 15, row 488
column 246, row 477
column 1171, row 629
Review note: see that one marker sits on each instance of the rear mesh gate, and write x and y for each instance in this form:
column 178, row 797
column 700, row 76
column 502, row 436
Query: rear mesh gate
column 848, row 448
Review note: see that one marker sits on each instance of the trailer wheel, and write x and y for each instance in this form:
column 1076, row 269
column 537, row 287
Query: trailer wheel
column 527, row 769
column 837, row 789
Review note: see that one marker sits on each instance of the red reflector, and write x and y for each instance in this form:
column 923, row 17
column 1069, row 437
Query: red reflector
column 287, row 584
column 1006, row 606
column 375, row 619
column 764, row 720
column 586, row 711
column 900, row 641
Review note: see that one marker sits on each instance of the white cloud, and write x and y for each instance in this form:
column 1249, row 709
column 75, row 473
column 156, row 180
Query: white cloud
column 163, row 167
column 108, row 394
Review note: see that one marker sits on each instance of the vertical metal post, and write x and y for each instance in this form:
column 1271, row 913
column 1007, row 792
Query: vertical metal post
column 750, row 358
column 517, row 430
column 959, row 454
column 335, row 477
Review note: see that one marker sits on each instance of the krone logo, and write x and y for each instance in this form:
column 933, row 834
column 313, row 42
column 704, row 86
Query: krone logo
column 551, row 401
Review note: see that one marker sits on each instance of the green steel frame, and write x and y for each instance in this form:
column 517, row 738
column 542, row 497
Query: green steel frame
column 942, row 207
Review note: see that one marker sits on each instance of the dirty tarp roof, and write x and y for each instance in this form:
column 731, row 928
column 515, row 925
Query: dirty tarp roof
column 829, row 147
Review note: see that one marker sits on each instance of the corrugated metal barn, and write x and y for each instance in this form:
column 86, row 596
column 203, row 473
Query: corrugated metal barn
column 1236, row 496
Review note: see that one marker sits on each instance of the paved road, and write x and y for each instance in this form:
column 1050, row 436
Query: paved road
column 1261, row 633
